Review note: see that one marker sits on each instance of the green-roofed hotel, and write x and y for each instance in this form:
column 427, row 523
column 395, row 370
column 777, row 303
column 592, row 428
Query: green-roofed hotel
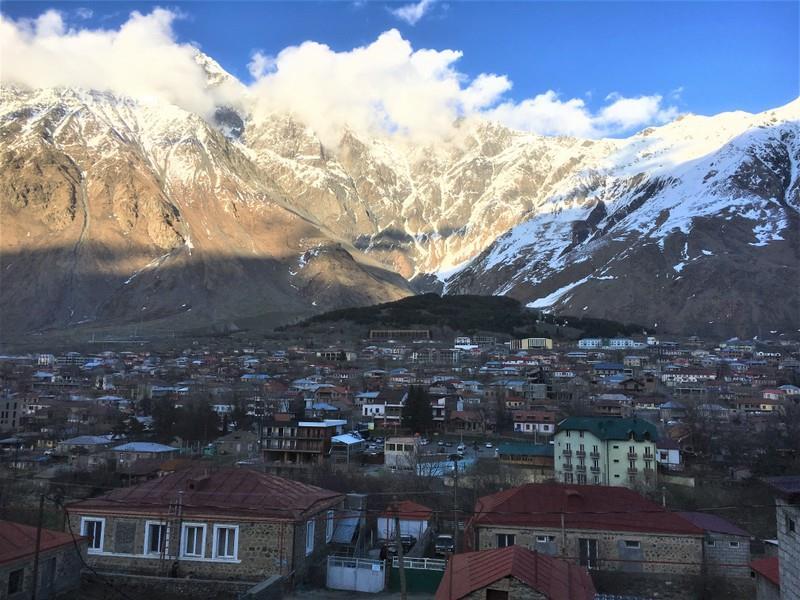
column 606, row 451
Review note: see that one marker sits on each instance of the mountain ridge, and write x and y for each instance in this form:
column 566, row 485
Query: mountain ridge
column 88, row 176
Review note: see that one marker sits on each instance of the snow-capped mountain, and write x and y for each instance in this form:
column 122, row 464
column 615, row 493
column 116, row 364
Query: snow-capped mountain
column 117, row 210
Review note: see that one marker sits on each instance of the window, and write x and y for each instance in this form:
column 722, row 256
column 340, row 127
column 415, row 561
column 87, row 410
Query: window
column 155, row 537
column 790, row 525
column 194, row 540
column 15, row 581
column 496, row 594
column 309, row 537
column 545, row 539
column 733, row 544
column 632, row 544
column 93, row 529
column 711, row 543
column 329, row 527
column 226, row 542
column 505, row 539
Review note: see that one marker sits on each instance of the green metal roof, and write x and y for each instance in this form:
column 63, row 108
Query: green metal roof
column 524, row 449
column 611, row 428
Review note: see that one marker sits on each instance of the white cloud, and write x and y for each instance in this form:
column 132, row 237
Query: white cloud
column 84, row 13
column 142, row 59
column 412, row 13
column 547, row 114
column 385, row 87
column 260, row 64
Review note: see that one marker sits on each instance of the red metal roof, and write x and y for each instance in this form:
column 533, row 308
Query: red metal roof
column 408, row 510
column 768, row 568
column 555, row 578
column 19, row 541
column 232, row 492
column 582, row 506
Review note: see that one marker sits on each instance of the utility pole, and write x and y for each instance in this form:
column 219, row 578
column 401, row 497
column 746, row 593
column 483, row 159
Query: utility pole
column 400, row 560
column 38, row 547
column 455, row 504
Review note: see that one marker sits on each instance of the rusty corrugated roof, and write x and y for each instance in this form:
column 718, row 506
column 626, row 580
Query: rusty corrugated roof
column 232, row 492
column 582, row 506
column 555, row 578
column 19, row 541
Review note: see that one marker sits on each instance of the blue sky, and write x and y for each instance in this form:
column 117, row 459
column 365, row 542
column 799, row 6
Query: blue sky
column 701, row 57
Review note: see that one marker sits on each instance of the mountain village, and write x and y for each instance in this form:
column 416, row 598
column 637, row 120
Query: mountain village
column 591, row 468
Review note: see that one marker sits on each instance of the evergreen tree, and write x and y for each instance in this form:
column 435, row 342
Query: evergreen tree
column 417, row 413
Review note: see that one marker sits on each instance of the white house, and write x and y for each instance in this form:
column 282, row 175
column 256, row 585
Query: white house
column 668, row 454
column 414, row 520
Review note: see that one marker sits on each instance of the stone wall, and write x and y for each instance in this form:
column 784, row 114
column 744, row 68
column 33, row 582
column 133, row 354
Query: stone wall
column 789, row 548
column 515, row 588
column 59, row 572
column 143, row 586
column 264, row 548
column 656, row 553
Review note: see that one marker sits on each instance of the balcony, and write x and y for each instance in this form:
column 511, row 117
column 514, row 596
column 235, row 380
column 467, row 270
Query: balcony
column 633, row 471
column 580, row 468
column 567, row 466
column 594, row 455
column 632, row 456
column 581, row 453
column 567, row 453
column 595, row 469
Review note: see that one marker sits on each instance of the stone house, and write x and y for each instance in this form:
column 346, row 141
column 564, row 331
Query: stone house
column 238, row 443
column 513, row 573
column 59, row 570
column 601, row 528
column 234, row 524
column 727, row 547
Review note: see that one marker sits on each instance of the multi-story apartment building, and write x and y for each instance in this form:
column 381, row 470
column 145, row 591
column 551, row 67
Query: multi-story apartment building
column 300, row 442
column 606, row 451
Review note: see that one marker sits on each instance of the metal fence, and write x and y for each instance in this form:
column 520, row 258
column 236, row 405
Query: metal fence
column 428, row 564
column 355, row 574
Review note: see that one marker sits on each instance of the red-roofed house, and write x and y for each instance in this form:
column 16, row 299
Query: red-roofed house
column 514, row 573
column 600, row 527
column 59, row 562
column 231, row 524
column 414, row 519
column 768, row 579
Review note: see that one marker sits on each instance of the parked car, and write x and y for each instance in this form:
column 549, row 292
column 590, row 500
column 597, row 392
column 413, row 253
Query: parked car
column 445, row 544
column 489, row 445
column 461, row 447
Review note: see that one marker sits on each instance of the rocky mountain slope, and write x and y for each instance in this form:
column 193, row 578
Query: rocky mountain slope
column 115, row 210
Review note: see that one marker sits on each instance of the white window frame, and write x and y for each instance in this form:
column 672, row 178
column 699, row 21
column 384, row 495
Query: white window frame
column 102, row 521
column 185, row 538
column 545, row 539
column 215, row 540
column 733, row 544
column 329, row 527
column 146, row 547
column 633, row 544
column 310, row 530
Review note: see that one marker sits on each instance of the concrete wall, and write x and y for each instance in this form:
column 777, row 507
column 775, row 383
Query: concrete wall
column 656, row 554
column 789, row 548
column 766, row 590
column 723, row 559
column 59, row 573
